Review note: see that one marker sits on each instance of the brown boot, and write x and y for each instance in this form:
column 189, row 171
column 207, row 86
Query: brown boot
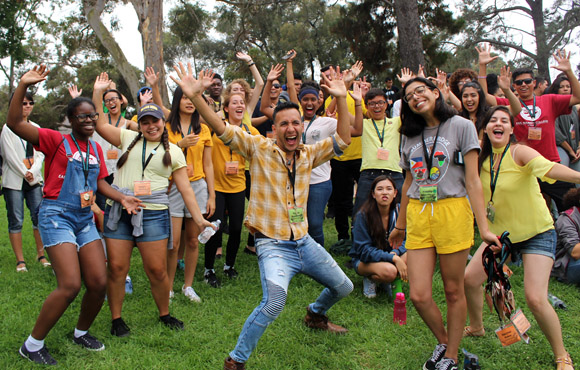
column 317, row 321
column 230, row 364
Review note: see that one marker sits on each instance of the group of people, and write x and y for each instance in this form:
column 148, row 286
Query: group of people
column 448, row 150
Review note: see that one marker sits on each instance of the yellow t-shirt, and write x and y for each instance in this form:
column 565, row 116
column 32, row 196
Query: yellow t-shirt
column 371, row 144
column 155, row 171
column 221, row 154
column 194, row 153
column 518, row 202
column 354, row 150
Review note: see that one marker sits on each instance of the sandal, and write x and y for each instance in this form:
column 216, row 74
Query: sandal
column 44, row 261
column 469, row 332
column 21, row 266
column 564, row 362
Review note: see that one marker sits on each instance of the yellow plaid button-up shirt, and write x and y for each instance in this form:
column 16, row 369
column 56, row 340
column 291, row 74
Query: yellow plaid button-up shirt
column 272, row 193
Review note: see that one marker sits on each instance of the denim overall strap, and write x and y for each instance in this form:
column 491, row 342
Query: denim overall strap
column 74, row 179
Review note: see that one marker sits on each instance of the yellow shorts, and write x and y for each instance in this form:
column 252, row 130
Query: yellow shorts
column 446, row 224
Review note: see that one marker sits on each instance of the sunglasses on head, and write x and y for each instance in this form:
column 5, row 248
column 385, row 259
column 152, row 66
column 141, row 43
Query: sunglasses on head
column 526, row 81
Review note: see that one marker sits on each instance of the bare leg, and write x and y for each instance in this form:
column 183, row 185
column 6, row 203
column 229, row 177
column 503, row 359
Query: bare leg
column 474, row 278
column 191, row 251
column 16, row 242
column 381, row 272
column 154, row 255
column 176, row 223
column 38, row 241
column 94, row 272
column 453, row 272
column 119, row 261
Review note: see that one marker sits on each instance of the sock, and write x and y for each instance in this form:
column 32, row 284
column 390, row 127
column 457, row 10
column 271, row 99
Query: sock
column 226, row 267
column 80, row 333
column 33, row 345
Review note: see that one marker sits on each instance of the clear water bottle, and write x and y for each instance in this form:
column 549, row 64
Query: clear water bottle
column 470, row 361
column 400, row 310
column 208, row 232
column 557, row 302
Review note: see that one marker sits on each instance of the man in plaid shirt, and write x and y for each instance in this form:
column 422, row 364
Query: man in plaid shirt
column 280, row 170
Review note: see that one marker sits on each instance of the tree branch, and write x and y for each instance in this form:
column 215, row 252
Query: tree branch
column 509, row 45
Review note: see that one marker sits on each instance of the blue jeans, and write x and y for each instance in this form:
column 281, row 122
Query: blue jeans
column 573, row 271
column 15, row 207
column 279, row 261
column 317, row 198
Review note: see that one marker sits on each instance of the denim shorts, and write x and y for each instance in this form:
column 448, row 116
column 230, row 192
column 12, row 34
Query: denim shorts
column 177, row 205
column 355, row 263
column 543, row 244
column 59, row 224
column 156, row 226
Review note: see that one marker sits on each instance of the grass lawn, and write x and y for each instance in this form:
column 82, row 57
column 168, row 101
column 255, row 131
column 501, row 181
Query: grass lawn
column 213, row 326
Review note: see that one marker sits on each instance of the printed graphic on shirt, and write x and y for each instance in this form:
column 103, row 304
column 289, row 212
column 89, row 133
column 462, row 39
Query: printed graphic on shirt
column 316, row 135
column 525, row 113
column 92, row 159
column 418, row 163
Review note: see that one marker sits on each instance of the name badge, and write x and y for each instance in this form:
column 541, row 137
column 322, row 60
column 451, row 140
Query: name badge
column 428, row 194
column 112, row 154
column 573, row 134
column 383, row 154
column 28, row 162
column 232, row 168
column 535, row 133
column 490, row 212
column 86, row 198
column 296, row 215
column 142, row 187
column 189, row 170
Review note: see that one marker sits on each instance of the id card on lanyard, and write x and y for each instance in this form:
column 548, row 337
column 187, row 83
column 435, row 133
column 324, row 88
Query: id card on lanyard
column 428, row 193
column 86, row 195
column 295, row 212
column 143, row 187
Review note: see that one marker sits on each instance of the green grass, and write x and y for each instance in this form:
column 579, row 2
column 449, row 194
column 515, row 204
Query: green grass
column 213, row 326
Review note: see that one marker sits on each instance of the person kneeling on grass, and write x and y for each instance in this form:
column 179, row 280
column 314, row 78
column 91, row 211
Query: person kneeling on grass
column 280, row 171
column 373, row 257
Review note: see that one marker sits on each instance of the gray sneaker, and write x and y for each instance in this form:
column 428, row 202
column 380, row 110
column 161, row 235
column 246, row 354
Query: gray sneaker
column 437, row 355
column 40, row 357
column 89, row 342
column 446, row 364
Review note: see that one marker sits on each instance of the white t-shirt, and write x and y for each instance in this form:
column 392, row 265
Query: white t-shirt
column 317, row 130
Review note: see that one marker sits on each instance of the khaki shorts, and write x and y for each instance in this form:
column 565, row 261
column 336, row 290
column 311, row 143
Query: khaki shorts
column 446, row 224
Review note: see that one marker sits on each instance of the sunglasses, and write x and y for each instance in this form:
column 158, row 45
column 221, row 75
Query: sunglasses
column 25, row 103
column 276, row 86
column 527, row 81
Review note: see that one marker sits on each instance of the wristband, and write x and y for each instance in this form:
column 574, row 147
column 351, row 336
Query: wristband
column 481, row 77
column 358, row 105
column 399, row 228
column 251, row 64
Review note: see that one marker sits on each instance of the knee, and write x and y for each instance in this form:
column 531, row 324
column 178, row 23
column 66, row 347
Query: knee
column 117, row 270
column 157, row 273
column 344, row 289
column 70, row 290
column 454, row 294
column 97, row 284
column 420, row 299
column 536, row 301
column 471, row 281
column 275, row 300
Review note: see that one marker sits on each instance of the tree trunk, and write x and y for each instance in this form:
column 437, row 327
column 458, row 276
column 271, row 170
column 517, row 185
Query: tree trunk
column 410, row 41
column 150, row 14
column 92, row 10
column 543, row 53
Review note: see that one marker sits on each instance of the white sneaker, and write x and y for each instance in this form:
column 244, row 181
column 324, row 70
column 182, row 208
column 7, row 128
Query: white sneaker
column 190, row 293
column 171, row 294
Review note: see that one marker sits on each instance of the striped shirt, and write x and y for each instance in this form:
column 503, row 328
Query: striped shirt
column 272, row 194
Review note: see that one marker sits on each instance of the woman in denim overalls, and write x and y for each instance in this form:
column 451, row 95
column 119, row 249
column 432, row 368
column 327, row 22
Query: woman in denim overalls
column 66, row 222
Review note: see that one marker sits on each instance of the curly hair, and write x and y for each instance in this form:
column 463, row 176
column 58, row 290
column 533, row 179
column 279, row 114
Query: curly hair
column 245, row 85
column 457, row 76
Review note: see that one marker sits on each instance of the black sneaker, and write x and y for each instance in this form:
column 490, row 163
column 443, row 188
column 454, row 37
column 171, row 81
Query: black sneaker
column 211, row 279
column 89, row 342
column 446, row 364
column 172, row 322
column 437, row 355
column 40, row 357
column 119, row 328
column 231, row 273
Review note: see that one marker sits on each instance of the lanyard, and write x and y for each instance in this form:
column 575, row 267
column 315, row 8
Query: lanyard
column 429, row 158
column 85, row 161
column 291, row 174
column 531, row 113
column 146, row 162
column 306, row 129
column 493, row 178
column 381, row 137
column 118, row 120
column 247, row 129
column 28, row 152
column 188, row 131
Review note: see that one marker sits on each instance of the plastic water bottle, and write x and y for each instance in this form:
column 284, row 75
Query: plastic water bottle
column 470, row 361
column 208, row 232
column 400, row 310
column 557, row 302
column 397, row 286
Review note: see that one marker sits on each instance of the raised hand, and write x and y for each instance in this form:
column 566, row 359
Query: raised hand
column 563, row 61
column 421, row 71
column 145, row 96
column 356, row 93
column 244, row 57
column 405, row 76
column 485, row 54
column 275, row 72
column 441, row 75
column 290, row 55
column 188, row 83
column 189, row 140
column 35, row 75
column 102, row 82
column 442, row 86
column 357, row 68
column 504, row 78
column 151, row 77
column 333, row 84
column 74, row 91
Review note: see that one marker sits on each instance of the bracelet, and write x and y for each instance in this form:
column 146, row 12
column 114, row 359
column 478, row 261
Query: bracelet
column 251, row 64
column 481, row 77
column 399, row 228
column 358, row 105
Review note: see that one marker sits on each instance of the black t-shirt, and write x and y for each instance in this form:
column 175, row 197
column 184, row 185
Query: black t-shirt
column 265, row 127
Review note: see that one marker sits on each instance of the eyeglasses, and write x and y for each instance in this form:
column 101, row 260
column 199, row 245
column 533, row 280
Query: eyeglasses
column 90, row 116
column 376, row 104
column 463, row 82
column 111, row 100
column 527, row 81
column 25, row 103
column 276, row 86
column 419, row 91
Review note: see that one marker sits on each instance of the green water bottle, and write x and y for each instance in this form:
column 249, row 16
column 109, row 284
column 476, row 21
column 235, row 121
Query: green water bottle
column 397, row 286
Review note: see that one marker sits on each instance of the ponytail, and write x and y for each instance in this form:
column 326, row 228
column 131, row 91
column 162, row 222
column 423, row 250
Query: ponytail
column 125, row 155
column 167, row 155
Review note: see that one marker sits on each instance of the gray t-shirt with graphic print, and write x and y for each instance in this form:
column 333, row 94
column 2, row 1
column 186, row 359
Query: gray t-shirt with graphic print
column 455, row 134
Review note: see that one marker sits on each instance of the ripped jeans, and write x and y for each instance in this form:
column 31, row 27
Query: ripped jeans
column 279, row 261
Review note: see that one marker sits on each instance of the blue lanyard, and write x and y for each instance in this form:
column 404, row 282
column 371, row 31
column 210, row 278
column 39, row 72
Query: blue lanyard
column 531, row 113
column 493, row 177
column 381, row 137
column 84, row 161
column 306, row 129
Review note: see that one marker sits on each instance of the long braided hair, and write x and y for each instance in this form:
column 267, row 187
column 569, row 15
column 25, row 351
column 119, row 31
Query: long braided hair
column 164, row 140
